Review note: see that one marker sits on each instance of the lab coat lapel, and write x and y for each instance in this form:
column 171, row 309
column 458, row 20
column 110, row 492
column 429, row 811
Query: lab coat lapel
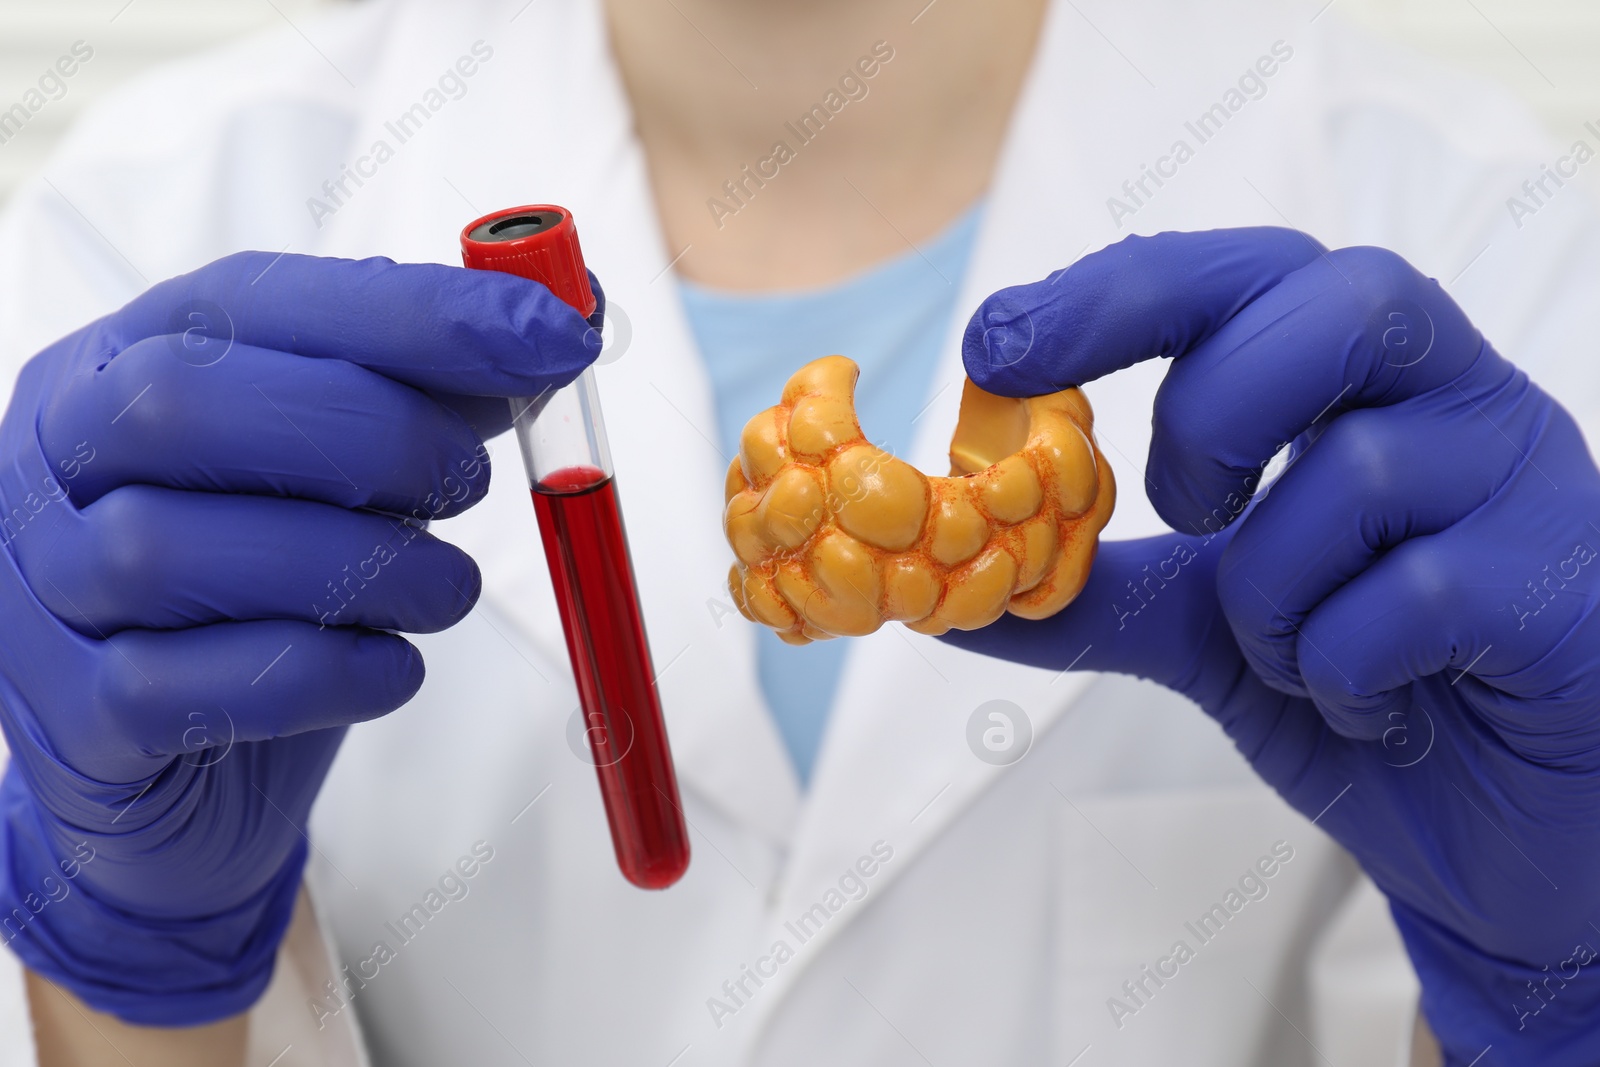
column 577, row 148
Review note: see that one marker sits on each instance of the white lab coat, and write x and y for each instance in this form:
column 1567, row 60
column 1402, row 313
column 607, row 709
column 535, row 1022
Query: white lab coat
column 1016, row 900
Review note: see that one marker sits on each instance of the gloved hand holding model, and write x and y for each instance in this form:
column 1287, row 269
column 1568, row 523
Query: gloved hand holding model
column 213, row 504
column 1400, row 633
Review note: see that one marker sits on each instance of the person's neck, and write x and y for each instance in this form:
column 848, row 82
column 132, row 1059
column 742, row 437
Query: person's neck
column 717, row 85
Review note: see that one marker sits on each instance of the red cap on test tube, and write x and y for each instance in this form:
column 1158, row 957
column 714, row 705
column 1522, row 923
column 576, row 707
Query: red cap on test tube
column 563, row 442
column 538, row 242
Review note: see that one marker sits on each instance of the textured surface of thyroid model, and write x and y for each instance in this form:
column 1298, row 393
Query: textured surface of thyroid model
column 835, row 537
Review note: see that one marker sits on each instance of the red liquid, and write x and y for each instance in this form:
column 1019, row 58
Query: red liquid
column 593, row 576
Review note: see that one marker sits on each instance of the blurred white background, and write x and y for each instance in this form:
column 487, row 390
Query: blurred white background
column 126, row 37
column 1543, row 50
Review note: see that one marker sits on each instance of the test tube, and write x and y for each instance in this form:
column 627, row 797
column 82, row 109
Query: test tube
column 564, row 450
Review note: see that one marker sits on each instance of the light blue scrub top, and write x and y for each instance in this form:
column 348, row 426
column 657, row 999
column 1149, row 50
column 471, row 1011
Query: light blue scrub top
column 891, row 319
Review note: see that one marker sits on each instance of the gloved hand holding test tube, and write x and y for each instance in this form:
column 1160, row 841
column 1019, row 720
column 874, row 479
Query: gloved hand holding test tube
column 563, row 442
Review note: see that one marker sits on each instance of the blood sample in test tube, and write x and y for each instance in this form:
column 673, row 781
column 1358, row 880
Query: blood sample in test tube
column 564, row 449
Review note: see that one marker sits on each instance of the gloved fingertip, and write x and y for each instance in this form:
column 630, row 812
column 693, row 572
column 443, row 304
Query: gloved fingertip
column 997, row 348
column 402, row 668
column 468, row 586
column 532, row 339
column 412, row 671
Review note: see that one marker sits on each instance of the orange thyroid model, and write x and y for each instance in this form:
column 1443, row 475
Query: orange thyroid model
column 835, row 537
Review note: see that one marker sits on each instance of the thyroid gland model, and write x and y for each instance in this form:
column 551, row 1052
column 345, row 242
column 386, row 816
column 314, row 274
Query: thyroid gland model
column 835, row 537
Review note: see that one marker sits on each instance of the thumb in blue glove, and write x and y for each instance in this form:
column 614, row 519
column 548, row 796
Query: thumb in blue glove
column 1399, row 633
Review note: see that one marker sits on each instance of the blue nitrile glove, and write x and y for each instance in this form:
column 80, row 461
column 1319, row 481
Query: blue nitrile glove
column 212, row 506
column 1400, row 634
